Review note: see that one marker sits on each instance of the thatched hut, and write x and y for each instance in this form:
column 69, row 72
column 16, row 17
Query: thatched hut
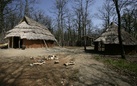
column 108, row 41
column 89, row 40
column 30, row 34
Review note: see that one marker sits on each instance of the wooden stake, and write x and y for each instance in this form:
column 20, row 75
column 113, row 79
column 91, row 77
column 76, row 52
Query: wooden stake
column 19, row 42
column 45, row 44
column 12, row 42
column 9, row 43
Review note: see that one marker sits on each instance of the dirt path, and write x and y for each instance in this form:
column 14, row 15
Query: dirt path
column 15, row 69
column 95, row 73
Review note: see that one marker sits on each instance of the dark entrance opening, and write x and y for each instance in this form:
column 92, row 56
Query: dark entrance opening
column 17, row 42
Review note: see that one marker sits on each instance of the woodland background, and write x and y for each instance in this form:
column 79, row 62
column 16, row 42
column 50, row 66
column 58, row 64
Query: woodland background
column 69, row 25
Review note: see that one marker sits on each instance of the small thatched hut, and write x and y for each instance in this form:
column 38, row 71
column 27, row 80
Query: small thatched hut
column 108, row 41
column 89, row 41
column 30, row 34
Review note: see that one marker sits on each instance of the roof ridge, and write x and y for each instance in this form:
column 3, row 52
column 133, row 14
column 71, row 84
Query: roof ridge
column 32, row 22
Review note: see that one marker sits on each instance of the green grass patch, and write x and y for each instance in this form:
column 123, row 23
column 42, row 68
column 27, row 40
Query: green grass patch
column 75, row 75
column 123, row 65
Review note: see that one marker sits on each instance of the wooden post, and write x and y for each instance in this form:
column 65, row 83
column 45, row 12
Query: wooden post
column 57, row 43
column 12, row 42
column 45, row 44
column 8, row 42
column 19, row 43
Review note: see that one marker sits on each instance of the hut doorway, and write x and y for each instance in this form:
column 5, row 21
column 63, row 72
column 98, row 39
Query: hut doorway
column 17, row 42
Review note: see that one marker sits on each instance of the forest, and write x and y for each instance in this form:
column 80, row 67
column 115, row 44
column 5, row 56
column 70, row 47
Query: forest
column 70, row 24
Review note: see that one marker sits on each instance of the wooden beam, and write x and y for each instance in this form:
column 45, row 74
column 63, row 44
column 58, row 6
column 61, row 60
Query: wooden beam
column 19, row 42
column 8, row 42
column 12, row 42
column 45, row 44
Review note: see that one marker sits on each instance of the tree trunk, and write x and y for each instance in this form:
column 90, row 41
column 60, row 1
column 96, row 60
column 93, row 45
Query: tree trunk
column 119, row 29
column 1, row 21
column 3, row 4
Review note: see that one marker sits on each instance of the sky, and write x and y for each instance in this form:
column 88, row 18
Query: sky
column 47, row 6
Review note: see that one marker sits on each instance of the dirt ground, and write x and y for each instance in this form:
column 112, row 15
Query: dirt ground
column 15, row 69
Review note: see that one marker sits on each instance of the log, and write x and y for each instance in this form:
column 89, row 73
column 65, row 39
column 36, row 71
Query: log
column 69, row 63
column 37, row 63
column 56, row 62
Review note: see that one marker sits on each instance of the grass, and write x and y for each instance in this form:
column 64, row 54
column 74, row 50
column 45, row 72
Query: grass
column 75, row 75
column 120, row 64
column 123, row 67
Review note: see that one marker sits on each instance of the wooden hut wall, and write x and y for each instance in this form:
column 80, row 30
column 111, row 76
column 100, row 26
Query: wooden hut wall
column 112, row 49
column 130, row 49
column 10, row 42
column 37, row 43
column 50, row 43
column 96, row 45
column 115, row 49
column 33, row 43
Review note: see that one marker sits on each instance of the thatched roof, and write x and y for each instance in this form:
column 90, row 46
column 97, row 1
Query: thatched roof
column 31, row 30
column 110, row 36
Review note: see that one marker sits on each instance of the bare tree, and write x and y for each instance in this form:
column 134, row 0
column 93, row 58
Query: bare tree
column 82, row 14
column 69, row 28
column 44, row 19
column 27, row 13
column 78, row 12
column 85, row 22
column 129, row 18
column 28, row 7
column 106, row 13
column 119, row 28
column 61, row 10
column 15, row 10
column 3, row 4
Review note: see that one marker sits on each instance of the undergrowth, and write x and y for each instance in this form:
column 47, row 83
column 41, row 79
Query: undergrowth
column 121, row 66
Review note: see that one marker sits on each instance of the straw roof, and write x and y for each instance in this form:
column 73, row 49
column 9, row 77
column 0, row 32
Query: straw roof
column 110, row 36
column 31, row 30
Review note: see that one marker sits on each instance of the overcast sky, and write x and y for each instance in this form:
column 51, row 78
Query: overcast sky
column 46, row 6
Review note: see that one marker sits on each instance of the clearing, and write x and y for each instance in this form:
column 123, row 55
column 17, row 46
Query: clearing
column 16, row 69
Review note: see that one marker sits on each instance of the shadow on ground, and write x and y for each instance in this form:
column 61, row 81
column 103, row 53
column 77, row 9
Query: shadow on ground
column 95, row 52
